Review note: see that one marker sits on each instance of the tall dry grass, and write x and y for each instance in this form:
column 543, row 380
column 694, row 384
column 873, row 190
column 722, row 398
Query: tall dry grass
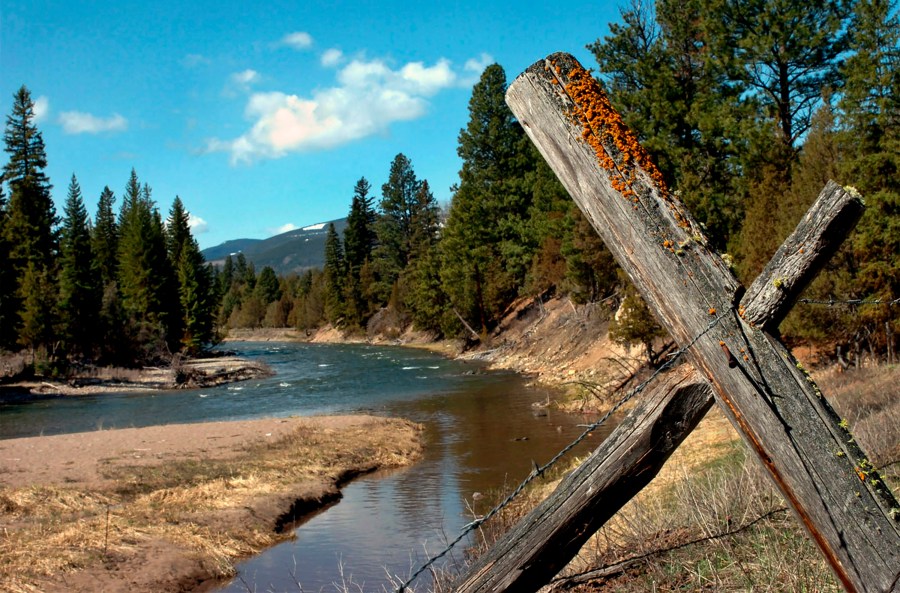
column 712, row 520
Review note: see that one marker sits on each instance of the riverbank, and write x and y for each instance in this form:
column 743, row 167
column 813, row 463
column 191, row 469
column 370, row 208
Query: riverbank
column 186, row 374
column 556, row 343
column 171, row 508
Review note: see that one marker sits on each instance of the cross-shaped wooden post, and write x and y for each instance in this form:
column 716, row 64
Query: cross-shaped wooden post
column 776, row 408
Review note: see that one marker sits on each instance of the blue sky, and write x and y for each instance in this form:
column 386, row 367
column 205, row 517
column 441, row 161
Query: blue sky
column 262, row 116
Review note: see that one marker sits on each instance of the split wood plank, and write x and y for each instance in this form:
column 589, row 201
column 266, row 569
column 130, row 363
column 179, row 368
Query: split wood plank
column 777, row 409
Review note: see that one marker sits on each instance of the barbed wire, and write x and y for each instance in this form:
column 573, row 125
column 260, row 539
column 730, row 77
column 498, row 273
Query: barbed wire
column 852, row 302
column 539, row 470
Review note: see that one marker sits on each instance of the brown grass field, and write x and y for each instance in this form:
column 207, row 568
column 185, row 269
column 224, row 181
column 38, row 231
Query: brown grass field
column 170, row 508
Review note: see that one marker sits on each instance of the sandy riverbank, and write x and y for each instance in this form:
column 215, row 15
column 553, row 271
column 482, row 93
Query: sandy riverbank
column 171, row 508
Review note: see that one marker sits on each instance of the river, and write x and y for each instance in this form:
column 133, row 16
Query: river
column 482, row 435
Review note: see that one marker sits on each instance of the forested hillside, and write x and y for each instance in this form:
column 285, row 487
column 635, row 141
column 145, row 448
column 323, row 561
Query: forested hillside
column 747, row 108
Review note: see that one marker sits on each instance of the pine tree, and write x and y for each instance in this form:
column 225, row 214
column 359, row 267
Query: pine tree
column 335, row 272
column 870, row 109
column 485, row 248
column 549, row 229
column 191, row 322
column 227, row 275
column 178, row 231
column 359, row 234
column 359, row 242
column 785, row 52
column 394, row 224
column 591, row 271
column 105, row 237
column 37, row 313
column 635, row 324
column 196, row 297
column 29, row 218
column 427, row 299
column 677, row 96
column 79, row 283
column 165, row 300
column 267, row 286
column 178, row 238
column 145, row 276
column 31, row 214
column 424, row 222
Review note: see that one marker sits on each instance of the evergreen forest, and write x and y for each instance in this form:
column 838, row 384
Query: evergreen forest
column 124, row 288
column 747, row 108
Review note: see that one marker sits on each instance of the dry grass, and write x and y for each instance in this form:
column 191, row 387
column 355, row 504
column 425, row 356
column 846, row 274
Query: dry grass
column 869, row 399
column 711, row 520
column 212, row 512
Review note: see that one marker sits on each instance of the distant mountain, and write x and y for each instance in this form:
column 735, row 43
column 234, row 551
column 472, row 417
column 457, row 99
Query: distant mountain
column 233, row 246
column 293, row 251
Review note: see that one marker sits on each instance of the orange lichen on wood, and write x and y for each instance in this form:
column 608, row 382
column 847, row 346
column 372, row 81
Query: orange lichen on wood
column 602, row 126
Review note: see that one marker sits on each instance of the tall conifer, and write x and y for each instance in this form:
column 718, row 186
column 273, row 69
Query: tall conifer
column 359, row 234
column 32, row 216
column 105, row 237
column 485, row 250
column 335, row 273
column 79, row 285
column 28, row 226
column 394, row 224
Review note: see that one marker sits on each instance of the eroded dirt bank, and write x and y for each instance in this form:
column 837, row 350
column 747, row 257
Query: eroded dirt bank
column 170, row 508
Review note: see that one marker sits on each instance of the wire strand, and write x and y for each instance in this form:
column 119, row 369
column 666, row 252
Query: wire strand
column 539, row 470
column 851, row 302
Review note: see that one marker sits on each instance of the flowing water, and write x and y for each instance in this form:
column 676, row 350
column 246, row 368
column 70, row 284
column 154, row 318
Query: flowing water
column 482, row 437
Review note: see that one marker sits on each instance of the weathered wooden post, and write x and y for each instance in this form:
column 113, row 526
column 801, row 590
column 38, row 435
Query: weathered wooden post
column 544, row 541
column 778, row 411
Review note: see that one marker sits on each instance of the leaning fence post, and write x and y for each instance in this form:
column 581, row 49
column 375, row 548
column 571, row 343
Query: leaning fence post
column 545, row 540
column 776, row 408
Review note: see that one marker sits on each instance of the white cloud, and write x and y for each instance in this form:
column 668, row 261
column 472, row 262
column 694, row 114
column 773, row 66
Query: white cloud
column 244, row 80
column 284, row 228
column 76, row 122
column 298, row 40
column 332, row 57
column 427, row 80
column 369, row 96
column 477, row 65
column 41, row 109
column 197, row 224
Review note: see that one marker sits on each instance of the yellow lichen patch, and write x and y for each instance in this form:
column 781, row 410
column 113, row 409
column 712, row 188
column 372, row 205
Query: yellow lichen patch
column 602, row 127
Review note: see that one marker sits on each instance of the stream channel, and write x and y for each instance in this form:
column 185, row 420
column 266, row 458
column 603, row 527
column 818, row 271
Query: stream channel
column 482, row 435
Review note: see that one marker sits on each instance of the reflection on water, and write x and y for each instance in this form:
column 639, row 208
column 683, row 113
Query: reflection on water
column 482, row 435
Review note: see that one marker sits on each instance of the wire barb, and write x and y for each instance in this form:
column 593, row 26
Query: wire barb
column 851, row 302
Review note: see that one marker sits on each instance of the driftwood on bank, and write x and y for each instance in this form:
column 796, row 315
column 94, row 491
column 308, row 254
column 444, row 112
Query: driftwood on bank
column 773, row 404
column 544, row 541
